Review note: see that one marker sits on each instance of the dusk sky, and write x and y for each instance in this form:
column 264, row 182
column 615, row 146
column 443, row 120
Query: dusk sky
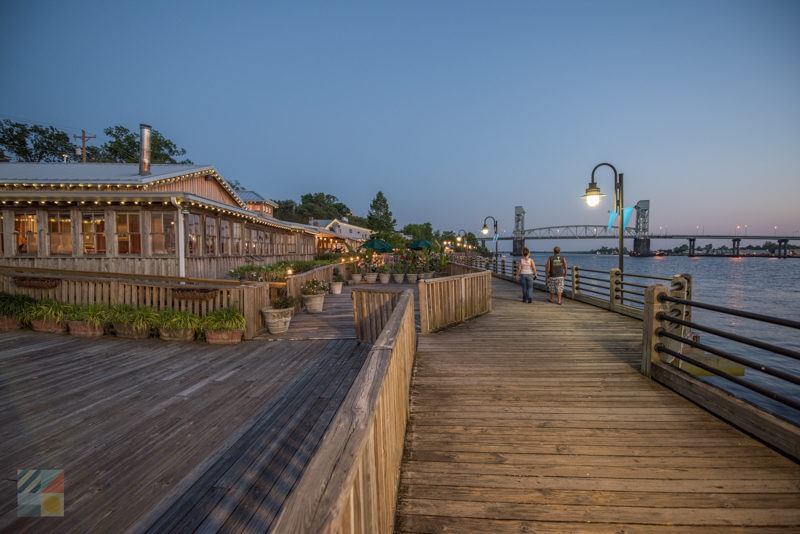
column 454, row 109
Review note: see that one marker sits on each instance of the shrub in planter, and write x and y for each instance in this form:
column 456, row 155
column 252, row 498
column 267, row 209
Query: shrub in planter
column 11, row 308
column 384, row 274
column 176, row 325
column 46, row 315
column 313, row 293
column 88, row 320
column 132, row 322
column 224, row 326
column 279, row 315
column 336, row 283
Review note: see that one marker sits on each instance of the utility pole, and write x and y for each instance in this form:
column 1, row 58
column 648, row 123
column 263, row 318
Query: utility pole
column 83, row 137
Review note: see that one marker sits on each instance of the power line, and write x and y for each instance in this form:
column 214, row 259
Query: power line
column 83, row 137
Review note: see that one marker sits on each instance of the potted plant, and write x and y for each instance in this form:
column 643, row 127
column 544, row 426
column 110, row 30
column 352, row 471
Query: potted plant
column 176, row 325
column 46, row 315
column 224, row 326
column 313, row 293
column 11, row 309
column 131, row 322
column 88, row 320
column 336, row 283
column 371, row 276
column 384, row 274
column 279, row 315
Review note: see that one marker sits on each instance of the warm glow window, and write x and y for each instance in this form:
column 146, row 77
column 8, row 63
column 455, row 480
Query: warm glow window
column 236, row 248
column 211, row 236
column 129, row 234
column 59, row 228
column 224, row 237
column 93, row 233
column 248, row 248
column 193, row 235
column 162, row 232
column 26, row 236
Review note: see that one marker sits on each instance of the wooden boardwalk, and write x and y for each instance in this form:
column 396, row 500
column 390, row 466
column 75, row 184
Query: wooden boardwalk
column 534, row 418
column 164, row 437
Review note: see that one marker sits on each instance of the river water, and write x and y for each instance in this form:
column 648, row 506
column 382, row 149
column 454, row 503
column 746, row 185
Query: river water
column 768, row 286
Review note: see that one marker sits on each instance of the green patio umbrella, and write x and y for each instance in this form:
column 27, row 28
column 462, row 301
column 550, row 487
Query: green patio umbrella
column 419, row 244
column 378, row 245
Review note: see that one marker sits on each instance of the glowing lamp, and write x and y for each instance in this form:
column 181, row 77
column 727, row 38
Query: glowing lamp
column 485, row 230
column 593, row 195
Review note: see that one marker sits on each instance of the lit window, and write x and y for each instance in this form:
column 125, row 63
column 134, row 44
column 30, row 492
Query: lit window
column 193, row 235
column 26, row 236
column 129, row 236
column 211, row 236
column 224, row 237
column 59, row 227
column 162, row 232
column 93, row 233
column 237, row 239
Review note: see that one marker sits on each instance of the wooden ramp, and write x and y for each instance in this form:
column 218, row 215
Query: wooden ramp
column 534, row 418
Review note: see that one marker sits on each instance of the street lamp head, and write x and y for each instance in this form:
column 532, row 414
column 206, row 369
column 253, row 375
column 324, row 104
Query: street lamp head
column 485, row 230
column 593, row 195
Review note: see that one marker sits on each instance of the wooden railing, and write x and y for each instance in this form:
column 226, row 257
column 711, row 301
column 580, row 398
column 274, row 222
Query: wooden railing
column 371, row 311
column 454, row 299
column 350, row 485
column 80, row 287
column 325, row 273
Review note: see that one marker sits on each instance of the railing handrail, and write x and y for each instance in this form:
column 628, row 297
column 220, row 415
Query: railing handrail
column 732, row 311
column 123, row 276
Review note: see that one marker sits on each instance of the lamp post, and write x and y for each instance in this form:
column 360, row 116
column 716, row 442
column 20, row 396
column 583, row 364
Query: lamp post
column 593, row 196
column 461, row 238
column 485, row 231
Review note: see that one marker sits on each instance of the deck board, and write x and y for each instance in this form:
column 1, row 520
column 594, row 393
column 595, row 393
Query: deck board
column 534, row 418
column 145, row 429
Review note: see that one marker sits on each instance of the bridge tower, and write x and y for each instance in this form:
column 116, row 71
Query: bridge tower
column 519, row 231
column 641, row 245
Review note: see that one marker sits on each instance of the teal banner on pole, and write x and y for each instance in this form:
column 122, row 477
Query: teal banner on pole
column 626, row 216
column 612, row 215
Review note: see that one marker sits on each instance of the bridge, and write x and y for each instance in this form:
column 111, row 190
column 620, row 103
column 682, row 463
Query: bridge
column 640, row 233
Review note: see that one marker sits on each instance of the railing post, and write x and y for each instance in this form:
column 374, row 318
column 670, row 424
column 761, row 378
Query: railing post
column 650, row 324
column 424, row 313
column 503, row 266
column 615, row 289
column 575, row 282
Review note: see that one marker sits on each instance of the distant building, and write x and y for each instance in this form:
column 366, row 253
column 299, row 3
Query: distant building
column 354, row 235
column 169, row 220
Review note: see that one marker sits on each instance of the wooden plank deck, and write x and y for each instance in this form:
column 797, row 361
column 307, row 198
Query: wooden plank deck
column 164, row 437
column 534, row 418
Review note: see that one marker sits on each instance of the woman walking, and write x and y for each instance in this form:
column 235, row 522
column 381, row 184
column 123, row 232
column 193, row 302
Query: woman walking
column 555, row 271
column 526, row 269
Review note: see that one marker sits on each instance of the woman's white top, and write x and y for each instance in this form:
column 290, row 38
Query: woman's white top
column 526, row 266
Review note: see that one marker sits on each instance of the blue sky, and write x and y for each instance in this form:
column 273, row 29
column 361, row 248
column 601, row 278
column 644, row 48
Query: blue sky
column 454, row 109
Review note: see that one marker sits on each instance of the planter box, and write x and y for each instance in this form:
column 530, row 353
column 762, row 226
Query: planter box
column 194, row 293
column 36, row 283
column 398, row 277
column 53, row 327
column 84, row 329
column 336, row 288
column 128, row 331
column 313, row 303
column 9, row 323
column 224, row 337
column 176, row 334
column 277, row 319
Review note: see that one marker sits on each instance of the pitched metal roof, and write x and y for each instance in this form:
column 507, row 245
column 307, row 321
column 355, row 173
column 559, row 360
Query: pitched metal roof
column 93, row 173
column 252, row 196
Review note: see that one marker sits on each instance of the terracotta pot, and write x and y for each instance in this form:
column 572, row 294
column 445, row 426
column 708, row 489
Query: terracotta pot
column 371, row 278
column 277, row 319
column 336, row 288
column 224, row 337
column 385, row 277
column 9, row 323
column 412, row 278
column 313, row 303
column 176, row 334
column 128, row 331
column 84, row 329
column 53, row 327
column 398, row 278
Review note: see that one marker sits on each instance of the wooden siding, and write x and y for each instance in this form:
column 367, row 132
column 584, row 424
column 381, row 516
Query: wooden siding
column 210, row 189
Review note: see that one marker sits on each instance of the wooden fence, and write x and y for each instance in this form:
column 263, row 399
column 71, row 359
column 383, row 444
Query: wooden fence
column 454, row 299
column 157, row 292
column 325, row 273
column 371, row 311
column 350, row 485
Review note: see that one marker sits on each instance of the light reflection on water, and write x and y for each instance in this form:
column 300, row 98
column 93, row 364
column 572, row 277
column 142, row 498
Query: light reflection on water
column 768, row 286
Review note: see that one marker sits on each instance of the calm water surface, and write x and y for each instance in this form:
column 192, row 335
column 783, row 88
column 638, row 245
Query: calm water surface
column 768, row 286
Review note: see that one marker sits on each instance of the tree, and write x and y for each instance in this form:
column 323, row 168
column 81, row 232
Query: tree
column 33, row 143
column 123, row 147
column 379, row 218
column 321, row 206
column 287, row 211
column 419, row 231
